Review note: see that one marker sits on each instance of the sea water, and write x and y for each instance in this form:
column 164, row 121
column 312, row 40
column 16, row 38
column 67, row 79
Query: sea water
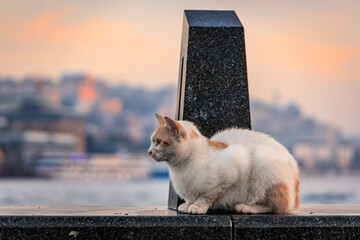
column 341, row 189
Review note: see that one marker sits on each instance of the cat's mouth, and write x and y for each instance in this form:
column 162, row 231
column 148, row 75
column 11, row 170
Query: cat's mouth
column 158, row 158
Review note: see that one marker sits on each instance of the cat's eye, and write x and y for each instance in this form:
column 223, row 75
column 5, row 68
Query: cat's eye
column 158, row 141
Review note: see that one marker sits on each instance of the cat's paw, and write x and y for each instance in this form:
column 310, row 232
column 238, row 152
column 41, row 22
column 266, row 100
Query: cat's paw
column 194, row 209
column 183, row 208
column 243, row 208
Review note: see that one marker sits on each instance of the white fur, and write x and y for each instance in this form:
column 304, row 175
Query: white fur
column 235, row 177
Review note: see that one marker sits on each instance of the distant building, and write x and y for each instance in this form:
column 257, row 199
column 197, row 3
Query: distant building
column 36, row 115
column 316, row 146
column 81, row 91
column 324, row 156
column 21, row 152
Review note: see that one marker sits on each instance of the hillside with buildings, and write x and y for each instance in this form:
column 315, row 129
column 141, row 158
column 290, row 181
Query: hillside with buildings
column 79, row 115
column 317, row 147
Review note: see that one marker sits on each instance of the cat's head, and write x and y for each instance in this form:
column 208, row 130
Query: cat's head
column 171, row 139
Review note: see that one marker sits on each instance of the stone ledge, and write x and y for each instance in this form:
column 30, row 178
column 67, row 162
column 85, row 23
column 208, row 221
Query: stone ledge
column 309, row 222
column 109, row 223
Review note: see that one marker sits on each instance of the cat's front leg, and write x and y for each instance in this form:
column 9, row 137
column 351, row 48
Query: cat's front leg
column 183, row 208
column 203, row 203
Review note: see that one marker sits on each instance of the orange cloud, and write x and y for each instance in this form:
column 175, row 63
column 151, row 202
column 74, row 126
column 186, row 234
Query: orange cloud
column 328, row 62
column 106, row 48
column 41, row 25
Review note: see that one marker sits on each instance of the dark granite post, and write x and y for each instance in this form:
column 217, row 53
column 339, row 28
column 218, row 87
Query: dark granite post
column 212, row 88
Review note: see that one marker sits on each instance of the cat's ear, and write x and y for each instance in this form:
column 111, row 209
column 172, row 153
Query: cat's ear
column 160, row 119
column 173, row 126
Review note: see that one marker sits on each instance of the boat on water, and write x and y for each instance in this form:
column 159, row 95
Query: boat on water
column 97, row 166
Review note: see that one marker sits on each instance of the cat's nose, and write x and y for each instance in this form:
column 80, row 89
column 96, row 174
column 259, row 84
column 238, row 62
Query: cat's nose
column 149, row 152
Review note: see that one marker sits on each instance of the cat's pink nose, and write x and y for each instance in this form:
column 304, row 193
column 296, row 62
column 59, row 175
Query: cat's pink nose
column 149, row 152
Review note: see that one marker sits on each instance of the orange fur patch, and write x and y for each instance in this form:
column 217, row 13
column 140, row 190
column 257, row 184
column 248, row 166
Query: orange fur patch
column 217, row 145
column 297, row 201
column 163, row 133
column 277, row 198
column 194, row 134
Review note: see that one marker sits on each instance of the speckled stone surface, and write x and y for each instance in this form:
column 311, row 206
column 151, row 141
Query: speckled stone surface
column 109, row 223
column 212, row 18
column 309, row 222
column 212, row 86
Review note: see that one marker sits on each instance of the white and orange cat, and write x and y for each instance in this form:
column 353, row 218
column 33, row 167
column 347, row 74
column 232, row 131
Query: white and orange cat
column 235, row 169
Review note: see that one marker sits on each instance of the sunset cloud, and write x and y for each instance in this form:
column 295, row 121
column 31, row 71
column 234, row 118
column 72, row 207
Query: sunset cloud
column 328, row 63
column 110, row 48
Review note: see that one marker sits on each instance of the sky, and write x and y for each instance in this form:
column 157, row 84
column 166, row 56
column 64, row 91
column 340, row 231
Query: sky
column 306, row 52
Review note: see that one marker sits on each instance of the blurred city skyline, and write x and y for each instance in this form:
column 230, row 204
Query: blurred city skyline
column 53, row 126
column 304, row 52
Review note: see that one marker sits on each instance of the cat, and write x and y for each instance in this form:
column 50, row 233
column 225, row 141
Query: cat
column 236, row 169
